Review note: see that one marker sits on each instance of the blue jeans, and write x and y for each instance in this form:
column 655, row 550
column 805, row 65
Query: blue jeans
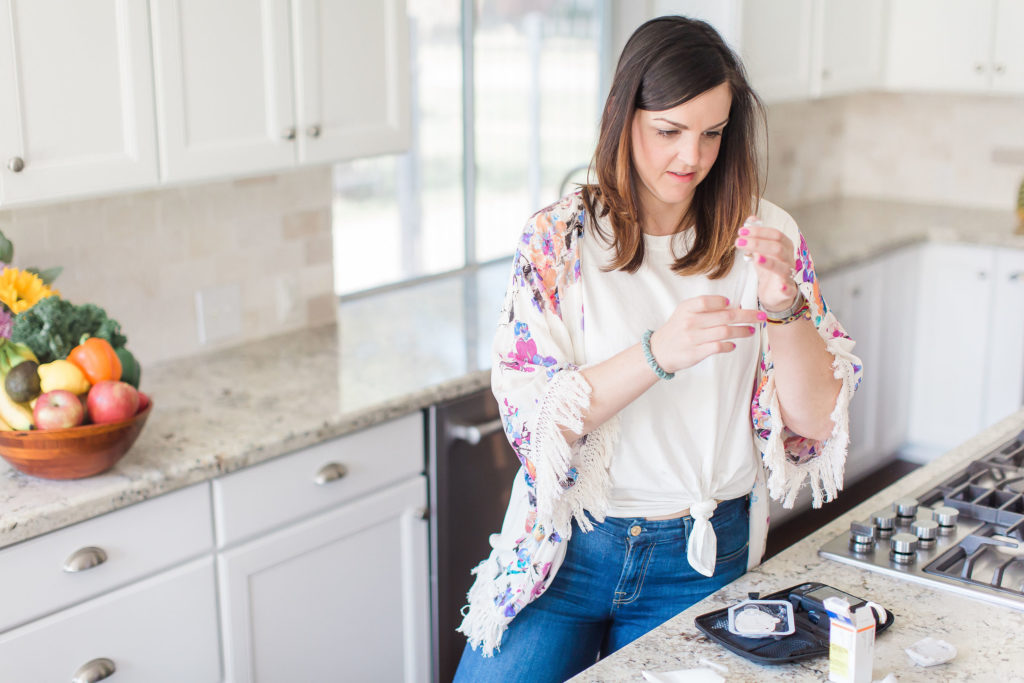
column 612, row 588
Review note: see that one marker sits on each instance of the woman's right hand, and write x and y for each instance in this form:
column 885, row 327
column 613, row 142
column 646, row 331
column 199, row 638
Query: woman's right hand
column 700, row 327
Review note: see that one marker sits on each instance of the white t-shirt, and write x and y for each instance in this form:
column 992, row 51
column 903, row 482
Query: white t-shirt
column 687, row 441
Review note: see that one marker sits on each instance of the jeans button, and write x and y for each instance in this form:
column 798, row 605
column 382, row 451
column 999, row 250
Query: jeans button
column 634, row 530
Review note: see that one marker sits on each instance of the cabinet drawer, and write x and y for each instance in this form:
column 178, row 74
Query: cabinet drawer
column 160, row 630
column 285, row 489
column 138, row 540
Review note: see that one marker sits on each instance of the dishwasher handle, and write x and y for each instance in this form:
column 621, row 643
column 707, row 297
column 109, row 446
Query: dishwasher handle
column 473, row 434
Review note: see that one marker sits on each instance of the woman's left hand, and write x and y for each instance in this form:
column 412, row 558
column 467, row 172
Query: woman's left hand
column 772, row 254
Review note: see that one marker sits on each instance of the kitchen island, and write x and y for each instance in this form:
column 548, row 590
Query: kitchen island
column 989, row 638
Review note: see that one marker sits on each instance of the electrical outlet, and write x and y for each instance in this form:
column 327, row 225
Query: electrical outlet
column 219, row 312
column 287, row 295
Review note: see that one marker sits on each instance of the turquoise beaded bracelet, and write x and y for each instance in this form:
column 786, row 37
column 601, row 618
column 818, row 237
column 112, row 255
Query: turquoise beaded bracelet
column 645, row 342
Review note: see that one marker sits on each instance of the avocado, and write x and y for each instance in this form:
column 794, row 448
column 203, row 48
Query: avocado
column 22, row 383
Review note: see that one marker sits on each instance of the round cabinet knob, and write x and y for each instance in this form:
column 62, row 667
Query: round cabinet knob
column 999, row 68
column 979, row 68
column 16, row 164
column 885, row 521
column 946, row 516
column 902, row 548
column 313, row 131
column 926, row 530
column 288, row 133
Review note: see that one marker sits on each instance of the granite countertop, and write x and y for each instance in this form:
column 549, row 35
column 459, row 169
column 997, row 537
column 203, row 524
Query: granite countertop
column 987, row 637
column 388, row 355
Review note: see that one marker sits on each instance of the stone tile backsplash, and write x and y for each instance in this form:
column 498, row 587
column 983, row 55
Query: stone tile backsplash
column 961, row 150
column 144, row 256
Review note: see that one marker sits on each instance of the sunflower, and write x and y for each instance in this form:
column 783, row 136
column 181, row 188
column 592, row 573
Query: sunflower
column 20, row 290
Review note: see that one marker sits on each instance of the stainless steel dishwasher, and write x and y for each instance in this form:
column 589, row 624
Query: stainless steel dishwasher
column 471, row 467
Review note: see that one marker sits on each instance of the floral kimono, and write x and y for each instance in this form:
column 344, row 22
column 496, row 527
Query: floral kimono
column 536, row 378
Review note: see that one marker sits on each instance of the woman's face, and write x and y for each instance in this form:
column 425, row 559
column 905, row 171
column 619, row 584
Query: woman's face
column 673, row 150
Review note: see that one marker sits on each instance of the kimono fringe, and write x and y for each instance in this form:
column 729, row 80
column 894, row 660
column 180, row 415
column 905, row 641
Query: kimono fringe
column 825, row 471
column 484, row 624
column 560, row 499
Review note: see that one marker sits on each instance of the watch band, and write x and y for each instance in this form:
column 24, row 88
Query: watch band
column 798, row 309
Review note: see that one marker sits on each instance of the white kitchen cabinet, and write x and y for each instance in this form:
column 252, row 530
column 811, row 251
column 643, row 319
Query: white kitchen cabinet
column 776, row 47
column 340, row 596
column 955, row 45
column 1005, row 357
column 106, row 552
column 796, row 49
column 849, row 37
column 896, row 344
column 160, row 630
column 223, row 87
column 854, row 295
column 248, row 87
column 76, row 99
column 970, row 337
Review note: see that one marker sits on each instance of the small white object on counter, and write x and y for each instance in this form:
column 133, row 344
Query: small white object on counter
column 931, row 651
column 702, row 675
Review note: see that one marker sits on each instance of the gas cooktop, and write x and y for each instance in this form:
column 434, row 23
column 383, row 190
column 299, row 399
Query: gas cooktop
column 965, row 534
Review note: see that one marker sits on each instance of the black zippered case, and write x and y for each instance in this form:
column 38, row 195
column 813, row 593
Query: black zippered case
column 809, row 641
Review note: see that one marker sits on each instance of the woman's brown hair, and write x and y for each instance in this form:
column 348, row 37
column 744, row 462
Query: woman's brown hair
column 666, row 62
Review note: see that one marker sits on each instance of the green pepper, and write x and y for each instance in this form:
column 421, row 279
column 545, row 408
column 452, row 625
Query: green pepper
column 131, row 371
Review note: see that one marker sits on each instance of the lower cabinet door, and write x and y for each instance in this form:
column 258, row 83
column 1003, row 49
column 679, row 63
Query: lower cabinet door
column 342, row 596
column 163, row 629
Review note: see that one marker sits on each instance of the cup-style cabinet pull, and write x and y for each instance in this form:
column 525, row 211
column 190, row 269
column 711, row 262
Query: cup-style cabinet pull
column 332, row 471
column 16, row 164
column 288, row 133
column 313, row 131
column 96, row 670
column 1017, row 276
column 85, row 558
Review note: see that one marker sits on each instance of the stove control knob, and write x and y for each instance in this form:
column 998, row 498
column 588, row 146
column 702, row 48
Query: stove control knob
column 926, row 530
column 945, row 515
column 885, row 521
column 862, row 536
column 905, row 507
column 903, row 546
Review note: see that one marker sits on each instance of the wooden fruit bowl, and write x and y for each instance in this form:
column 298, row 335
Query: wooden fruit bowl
column 71, row 453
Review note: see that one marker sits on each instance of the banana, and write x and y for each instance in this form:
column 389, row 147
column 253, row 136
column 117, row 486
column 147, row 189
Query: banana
column 4, row 427
column 17, row 415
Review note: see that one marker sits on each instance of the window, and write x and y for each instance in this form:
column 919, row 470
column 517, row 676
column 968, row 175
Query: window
column 535, row 103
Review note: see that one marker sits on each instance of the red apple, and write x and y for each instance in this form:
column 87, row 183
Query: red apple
column 144, row 401
column 58, row 409
column 110, row 401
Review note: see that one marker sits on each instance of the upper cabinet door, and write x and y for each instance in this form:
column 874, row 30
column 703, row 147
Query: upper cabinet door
column 223, row 86
column 76, row 98
column 940, row 45
column 852, row 35
column 352, row 78
column 776, row 47
column 1008, row 49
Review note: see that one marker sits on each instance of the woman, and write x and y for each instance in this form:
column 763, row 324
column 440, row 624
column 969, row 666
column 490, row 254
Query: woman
column 641, row 492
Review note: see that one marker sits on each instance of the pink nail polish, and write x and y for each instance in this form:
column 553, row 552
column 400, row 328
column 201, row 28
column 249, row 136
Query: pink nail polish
column 760, row 259
column 726, row 301
column 785, row 287
column 744, row 231
column 761, row 315
column 741, row 242
column 752, row 330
